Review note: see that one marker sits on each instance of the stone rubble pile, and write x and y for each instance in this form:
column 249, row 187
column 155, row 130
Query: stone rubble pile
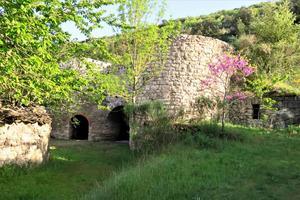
column 24, row 135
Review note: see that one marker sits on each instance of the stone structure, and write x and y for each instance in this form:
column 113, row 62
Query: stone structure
column 251, row 112
column 24, row 135
column 94, row 124
column 178, row 86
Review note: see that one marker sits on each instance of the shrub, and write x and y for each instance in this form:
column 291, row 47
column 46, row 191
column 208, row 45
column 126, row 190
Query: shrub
column 204, row 105
column 210, row 130
column 150, row 126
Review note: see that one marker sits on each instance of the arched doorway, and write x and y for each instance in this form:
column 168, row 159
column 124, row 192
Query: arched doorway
column 120, row 123
column 79, row 127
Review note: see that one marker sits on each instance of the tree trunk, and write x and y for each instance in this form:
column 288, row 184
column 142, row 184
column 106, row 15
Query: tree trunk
column 223, row 120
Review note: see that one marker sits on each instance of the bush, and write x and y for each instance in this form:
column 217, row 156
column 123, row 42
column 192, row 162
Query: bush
column 152, row 129
column 210, row 130
column 150, row 126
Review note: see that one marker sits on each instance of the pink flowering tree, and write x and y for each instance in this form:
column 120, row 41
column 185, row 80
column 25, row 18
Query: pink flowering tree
column 225, row 81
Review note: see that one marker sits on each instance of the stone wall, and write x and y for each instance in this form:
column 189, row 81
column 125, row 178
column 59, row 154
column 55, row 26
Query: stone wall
column 289, row 109
column 241, row 112
column 178, row 85
column 24, row 135
column 287, row 112
column 100, row 126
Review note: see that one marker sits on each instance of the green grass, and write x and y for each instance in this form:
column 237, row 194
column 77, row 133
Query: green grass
column 250, row 164
column 74, row 169
column 264, row 165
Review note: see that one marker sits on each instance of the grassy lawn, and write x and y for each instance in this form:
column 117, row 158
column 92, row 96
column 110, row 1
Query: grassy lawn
column 74, row 169
column 261, row 166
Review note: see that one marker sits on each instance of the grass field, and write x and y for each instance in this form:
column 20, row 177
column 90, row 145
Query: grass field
column 74, row 169
column 264, row 165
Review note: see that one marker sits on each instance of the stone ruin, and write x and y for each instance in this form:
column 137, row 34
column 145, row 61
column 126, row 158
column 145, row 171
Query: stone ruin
column 25, row 132
column 24, row 135
column 93, row 123
column 251, row 112
column 177, row 86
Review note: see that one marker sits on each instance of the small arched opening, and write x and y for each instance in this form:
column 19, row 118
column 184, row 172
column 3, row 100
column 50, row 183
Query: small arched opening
column 79, row 127
column 120, row 123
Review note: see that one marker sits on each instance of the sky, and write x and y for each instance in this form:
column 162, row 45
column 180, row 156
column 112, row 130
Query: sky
column 175, row 9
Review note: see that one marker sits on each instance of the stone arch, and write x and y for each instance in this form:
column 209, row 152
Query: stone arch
column 79, row 127
column 119, row 122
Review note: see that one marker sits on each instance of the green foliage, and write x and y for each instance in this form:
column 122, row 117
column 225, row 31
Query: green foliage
column 204, row 105
column 224, row 25
column 207, row 129
column 275, row 23
column 142, row 47
column 32, row 46
column 272, row 46
column 152, row 109
column 293, row 130
column 228, row 25
column 150, row 126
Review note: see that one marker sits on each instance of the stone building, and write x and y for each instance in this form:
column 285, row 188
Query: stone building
column 177, row 86
column 88, row 122
column 252, row 113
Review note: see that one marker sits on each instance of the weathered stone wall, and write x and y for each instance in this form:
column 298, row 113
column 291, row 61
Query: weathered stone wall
column 241, row 112
column 178, row 85
column 287, row 112
column 100, row 126
column 289, row 105
column 24, row 135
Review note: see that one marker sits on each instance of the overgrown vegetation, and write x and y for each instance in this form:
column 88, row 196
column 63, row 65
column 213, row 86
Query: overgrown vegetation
column 32, row 45
column 271, row 44
column 151, row 126
column 261, row 166
column 141, row 48
column 195, row 161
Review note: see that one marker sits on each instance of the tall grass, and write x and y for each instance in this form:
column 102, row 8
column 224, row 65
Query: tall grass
column 263, row 167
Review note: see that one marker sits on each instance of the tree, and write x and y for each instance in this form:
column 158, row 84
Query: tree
column 143, row 46
column 272, row 46
column 31, row 43
column 229, row 74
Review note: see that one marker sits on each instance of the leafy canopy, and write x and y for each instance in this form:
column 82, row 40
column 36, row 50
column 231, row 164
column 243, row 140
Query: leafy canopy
column 31, row 44
column 273, row 46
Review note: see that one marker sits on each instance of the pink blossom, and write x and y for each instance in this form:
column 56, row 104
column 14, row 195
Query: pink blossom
column 236, row 96
column 231, row 65
column 229, row 97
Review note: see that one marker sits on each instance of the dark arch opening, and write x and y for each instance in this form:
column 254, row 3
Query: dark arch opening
column 120, row 123
column 79, row 127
